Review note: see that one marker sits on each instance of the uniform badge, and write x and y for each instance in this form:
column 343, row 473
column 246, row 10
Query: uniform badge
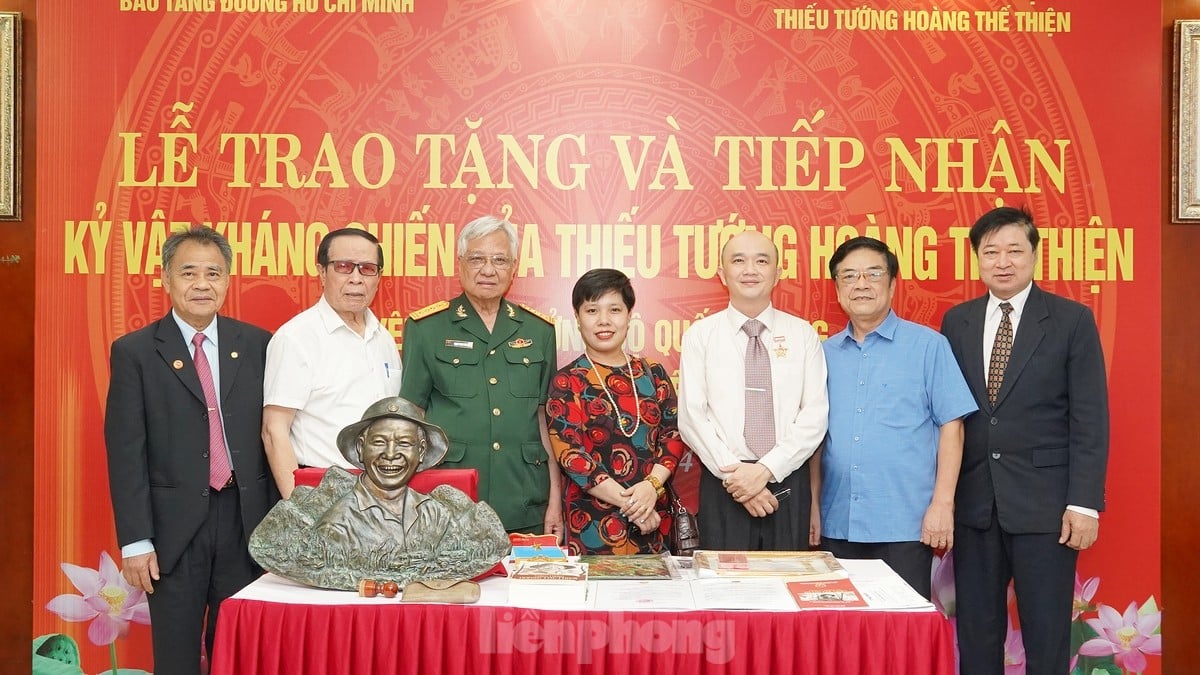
column 460, row 344
column 460, row 312
column 520, row 343
column 543, row 317
column 430, row 310
column 781, row 350
column 512, row 313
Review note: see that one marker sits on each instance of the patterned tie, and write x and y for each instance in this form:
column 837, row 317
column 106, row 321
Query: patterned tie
column 1001, row 350
column 219, row 471
column 760, row 408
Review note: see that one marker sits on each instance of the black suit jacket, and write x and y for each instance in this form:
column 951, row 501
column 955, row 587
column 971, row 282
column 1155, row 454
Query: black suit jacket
column 156, row 432
column 1044, row 444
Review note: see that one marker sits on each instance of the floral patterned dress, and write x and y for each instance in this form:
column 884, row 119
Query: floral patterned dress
column 592, row 446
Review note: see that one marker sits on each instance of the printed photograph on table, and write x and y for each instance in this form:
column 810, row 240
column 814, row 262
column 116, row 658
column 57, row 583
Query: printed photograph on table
column 626, row 566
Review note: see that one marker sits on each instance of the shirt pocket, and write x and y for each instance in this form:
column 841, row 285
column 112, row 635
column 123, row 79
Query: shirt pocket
column 537, row 487
column 525, row 368
column 901, row 400
column 456, row 452
column 456, row 372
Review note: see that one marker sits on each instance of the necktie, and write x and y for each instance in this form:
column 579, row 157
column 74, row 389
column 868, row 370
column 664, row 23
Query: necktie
column 760, row 408
column 1001, row 350
column 219, row 471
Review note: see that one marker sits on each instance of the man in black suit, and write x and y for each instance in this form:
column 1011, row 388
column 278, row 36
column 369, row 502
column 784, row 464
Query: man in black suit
column 1032, row 480
column 186, row 467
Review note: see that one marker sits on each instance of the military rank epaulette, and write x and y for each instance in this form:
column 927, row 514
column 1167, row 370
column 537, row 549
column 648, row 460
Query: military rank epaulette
column 544, row 317
column 430, row 310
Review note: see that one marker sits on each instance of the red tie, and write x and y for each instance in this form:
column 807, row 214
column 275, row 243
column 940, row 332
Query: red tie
column 219, row 471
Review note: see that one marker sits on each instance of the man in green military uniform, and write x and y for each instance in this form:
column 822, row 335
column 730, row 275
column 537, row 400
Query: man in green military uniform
column 480, row 366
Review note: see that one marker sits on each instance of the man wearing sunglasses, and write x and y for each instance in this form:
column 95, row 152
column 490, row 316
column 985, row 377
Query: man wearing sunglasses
column 328, row 363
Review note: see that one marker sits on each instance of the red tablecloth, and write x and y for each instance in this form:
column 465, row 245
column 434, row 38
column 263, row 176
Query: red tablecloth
column 259, row 638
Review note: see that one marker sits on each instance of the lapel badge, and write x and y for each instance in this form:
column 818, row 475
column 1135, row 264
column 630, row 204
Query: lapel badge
column 781, row 350
column 460, row 312
column 459, row 344
column 177, row 364
column 520, row 343
column 512, row 313
column 233, row 355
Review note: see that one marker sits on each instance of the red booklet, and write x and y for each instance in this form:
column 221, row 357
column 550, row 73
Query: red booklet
column 837, row 593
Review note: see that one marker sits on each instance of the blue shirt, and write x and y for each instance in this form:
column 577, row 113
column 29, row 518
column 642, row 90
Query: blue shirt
column 888, row 397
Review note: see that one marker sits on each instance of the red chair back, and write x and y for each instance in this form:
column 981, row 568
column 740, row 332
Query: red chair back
column 466, row 480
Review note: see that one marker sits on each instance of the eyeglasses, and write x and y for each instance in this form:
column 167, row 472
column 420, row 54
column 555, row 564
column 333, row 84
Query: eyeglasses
column 367, row 269
column 477, row 261
column 872, row 275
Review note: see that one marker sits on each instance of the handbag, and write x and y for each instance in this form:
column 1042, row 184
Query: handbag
column 685, row 526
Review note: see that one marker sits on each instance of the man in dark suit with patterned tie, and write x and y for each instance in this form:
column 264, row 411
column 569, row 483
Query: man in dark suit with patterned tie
column 1034, row 460
column 187, row 472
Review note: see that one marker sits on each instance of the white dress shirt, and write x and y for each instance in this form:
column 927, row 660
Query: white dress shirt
column 329, row 374
column 712, row 381
column 991, row 322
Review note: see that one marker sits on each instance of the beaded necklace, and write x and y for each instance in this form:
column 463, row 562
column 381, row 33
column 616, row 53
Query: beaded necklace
column 637, row 406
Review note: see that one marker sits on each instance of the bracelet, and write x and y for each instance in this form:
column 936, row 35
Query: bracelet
column 656, row 484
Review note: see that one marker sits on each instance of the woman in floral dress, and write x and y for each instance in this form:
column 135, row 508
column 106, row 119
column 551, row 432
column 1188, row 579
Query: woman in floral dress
column 613, row 428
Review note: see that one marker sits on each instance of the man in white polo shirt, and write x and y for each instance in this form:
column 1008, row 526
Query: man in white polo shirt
column 329, row 363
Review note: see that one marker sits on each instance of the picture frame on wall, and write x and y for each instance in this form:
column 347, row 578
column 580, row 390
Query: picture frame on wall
column 1185, row 174
column 10, row 116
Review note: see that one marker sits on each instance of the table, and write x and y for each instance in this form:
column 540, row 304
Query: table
column 275, row 626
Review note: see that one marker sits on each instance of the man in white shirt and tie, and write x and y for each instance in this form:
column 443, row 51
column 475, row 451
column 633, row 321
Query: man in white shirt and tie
column 753, row 407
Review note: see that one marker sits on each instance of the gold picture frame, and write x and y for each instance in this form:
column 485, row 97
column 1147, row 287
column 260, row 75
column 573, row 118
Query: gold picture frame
column 1185, row 146
column 10, row 116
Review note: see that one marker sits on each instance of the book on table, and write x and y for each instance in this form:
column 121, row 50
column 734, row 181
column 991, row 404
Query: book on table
column 830, row 594
column 549, row 572
column 800, row 565
column 538, row 583
column 537, row 552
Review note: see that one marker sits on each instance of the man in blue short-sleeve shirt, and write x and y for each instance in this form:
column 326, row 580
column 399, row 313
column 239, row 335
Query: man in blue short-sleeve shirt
column 897, row 400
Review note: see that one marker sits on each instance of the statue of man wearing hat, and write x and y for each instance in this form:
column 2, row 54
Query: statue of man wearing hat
column 390, row 445
column 374, row 526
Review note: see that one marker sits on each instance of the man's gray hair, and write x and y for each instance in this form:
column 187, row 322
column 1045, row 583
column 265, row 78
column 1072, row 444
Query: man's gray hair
column 482, row 227
column 200, row 235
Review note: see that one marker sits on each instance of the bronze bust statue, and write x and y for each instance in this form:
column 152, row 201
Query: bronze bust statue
column 375, row 526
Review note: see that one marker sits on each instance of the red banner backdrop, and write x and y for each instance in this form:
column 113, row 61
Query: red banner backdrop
column 630, row 135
